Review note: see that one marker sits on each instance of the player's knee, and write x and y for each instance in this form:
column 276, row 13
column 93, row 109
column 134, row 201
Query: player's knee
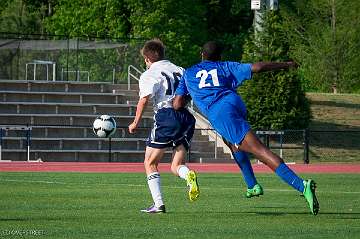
column 174, row 168
column 148, row 163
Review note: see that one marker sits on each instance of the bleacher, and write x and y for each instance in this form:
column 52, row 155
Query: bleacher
column 61, row 113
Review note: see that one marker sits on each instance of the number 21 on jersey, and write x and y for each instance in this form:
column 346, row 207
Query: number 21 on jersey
column 203, row 75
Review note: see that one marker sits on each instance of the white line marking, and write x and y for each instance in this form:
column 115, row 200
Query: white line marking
column 164, row 186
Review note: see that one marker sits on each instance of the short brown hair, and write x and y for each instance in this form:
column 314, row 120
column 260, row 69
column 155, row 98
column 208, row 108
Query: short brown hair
column 154, row 50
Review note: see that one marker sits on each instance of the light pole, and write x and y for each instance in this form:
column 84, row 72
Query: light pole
column 259, row 7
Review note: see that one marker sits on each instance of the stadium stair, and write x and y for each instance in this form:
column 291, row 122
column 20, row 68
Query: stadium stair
column 61, row 116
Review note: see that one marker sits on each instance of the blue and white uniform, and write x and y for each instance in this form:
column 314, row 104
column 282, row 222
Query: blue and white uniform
column 212, row 86
column 171, row 128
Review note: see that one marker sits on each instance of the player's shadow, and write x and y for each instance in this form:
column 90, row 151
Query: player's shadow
column 14, row 219
column 331, row 215
column 28, row 219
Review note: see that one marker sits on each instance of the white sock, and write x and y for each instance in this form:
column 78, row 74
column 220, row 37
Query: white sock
column 183, row 171
column 153, row 180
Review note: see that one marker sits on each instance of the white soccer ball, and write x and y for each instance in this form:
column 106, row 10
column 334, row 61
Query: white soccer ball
column 104, row 126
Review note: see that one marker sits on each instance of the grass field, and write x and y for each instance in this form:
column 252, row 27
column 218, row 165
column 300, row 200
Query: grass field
column 90, row 205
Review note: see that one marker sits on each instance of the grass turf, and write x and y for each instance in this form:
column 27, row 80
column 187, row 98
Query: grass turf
column 89, row 205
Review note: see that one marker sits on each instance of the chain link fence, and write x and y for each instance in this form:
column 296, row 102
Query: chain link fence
column 334, row 146
column 310, row 146
column 55, row 58
column 300, row 146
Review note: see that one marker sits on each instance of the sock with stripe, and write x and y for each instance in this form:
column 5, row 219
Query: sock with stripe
column 153, row 181
column 290, row 177
column 243, row 161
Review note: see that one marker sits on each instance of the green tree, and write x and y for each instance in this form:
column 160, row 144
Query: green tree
column 100, row 18
column 325, row 39
column 179, row 24
column 229, row 21
column 16, row 18
column 275, row 100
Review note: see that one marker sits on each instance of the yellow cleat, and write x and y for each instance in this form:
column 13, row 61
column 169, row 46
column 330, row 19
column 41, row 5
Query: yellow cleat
column 191, row 180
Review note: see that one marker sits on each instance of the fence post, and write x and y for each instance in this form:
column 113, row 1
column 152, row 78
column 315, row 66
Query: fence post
column 306, row 146
column 110, row 158
column 1, row 135
column 28, row 142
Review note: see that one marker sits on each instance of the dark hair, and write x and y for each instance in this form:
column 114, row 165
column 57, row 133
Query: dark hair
column 154, row 50
column 212, row 51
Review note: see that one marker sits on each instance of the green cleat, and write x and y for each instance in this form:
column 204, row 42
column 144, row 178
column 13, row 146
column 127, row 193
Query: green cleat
column 191, row 180
column 309, row 194
column 256, row 191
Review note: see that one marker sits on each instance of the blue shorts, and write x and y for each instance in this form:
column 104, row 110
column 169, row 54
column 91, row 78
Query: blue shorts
column 228, row 117
column 171, row 129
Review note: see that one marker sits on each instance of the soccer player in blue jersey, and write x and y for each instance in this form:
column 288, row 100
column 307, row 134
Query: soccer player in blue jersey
column 212, row 85
column 171, row 128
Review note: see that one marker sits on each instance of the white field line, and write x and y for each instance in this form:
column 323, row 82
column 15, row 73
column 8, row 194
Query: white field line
column 164, row 186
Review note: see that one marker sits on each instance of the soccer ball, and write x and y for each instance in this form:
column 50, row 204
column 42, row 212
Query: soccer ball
column 104, row 126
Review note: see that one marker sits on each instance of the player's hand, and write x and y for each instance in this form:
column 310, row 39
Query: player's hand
column 132, row 127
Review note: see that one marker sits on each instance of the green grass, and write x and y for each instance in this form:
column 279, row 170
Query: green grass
column 80, row 205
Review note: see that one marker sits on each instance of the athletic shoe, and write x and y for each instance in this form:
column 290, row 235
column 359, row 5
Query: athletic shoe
column 191, row 180
column 154, row 209
column 256, row 191
column 309, row 194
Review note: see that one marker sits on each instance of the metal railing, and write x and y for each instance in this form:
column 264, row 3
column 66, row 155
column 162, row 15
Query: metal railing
column 26, row 131
column 41, row 57
column 133, row 73
column 41, row 62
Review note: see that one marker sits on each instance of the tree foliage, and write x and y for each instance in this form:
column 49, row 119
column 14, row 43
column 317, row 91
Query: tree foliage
column 275, row 100
column 229, row 22
column 322, row 35
column 90, row 18
column 325, row 40
column 180, row 24
column 16, row 17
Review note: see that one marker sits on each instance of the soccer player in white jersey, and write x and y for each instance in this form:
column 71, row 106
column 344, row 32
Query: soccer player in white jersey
column 171, row 128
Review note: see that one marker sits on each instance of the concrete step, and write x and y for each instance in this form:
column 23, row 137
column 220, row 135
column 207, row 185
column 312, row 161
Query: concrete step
column 93, row 144
column 75, row 143
column 62, row 86
column 74, row 132
column 66, row 120
column 63, row 97
column 85, row 132
column 69, row 108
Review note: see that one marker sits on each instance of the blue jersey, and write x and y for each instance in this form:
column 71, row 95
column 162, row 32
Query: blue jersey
column 212, row 86
column 208, row 82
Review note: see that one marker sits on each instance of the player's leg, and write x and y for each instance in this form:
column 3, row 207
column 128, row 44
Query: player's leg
column 152, row 159
column 253, row 145
column 242, row 160
column 180, row 169
column 184, row 132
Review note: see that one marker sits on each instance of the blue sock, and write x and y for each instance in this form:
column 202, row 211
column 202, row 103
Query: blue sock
column 242, row 160
column 286, row 174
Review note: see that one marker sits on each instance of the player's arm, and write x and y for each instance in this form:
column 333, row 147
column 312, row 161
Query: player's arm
column 271, row 66
column 179, row 102
column 180, row 98
column 141, row 105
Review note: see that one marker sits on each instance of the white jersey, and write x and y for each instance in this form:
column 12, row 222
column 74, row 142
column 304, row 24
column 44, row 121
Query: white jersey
column 160, row 82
